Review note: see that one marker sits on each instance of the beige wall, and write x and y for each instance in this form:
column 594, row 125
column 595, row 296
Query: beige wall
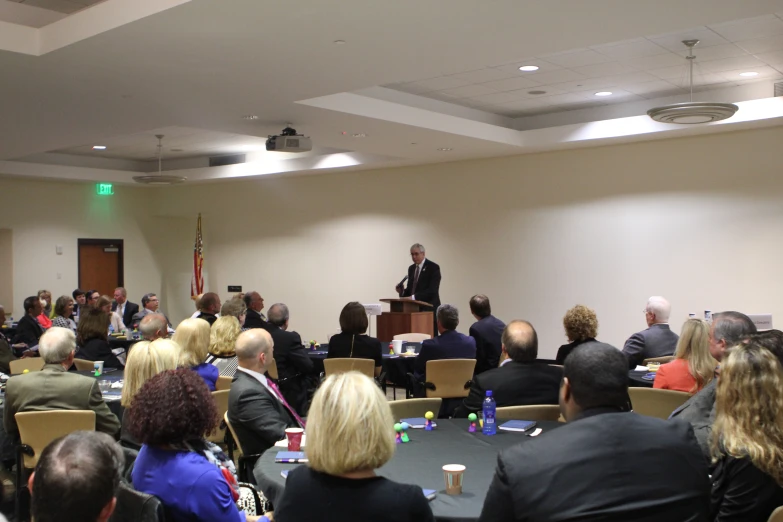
column 697, row 220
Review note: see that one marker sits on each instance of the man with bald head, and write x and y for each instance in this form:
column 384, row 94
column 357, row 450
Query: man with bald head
column 521, row 380
column 154, row 326
column 256, row 409
column 657, row 340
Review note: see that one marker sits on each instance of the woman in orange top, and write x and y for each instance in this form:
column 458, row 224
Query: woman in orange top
column 693, row 366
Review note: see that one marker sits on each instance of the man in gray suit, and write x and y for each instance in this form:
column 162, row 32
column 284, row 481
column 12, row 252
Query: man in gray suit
column 54, row 388
column 657, row 340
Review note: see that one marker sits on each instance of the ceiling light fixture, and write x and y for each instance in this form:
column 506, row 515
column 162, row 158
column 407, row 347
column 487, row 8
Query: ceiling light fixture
column 339, row 42
column 536, row 92
column 603, row 93
column 691, row 112
column 749, row 73
column 529, row 68
column 445, row 149
column 359, row 135
column 99, row 147
column 250, row 117
column 159, row 178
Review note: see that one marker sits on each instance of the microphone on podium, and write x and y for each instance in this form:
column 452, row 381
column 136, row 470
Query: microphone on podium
column 400, row 284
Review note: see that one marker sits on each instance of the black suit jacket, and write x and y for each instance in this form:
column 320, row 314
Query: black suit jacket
column 131, row 309
column 210, row 318
column 253, row 320
column 257, row 416
column 514, row 384
column 28, row 331
column 428, row 287
column 364, row 347
column 606, row 466
column 449, row 345
column 656, row 341
column 742, row 492
column 487, row 332
column 98, row 350
column 293, row 368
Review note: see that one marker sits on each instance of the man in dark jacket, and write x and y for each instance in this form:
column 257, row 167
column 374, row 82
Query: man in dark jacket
column 254, row 317
column 294, row 367
column 657, row 340
column 487, row 331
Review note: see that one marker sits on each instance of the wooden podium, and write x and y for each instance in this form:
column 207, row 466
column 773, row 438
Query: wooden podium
column 406, row 316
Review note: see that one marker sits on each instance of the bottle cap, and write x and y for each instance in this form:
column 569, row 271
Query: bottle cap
column 489, row 393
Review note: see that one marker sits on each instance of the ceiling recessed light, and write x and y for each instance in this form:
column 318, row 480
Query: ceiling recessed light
column 603, row 93
column 536, row 92
column 359, row 135
column 177, row 150
column 249, row 117
column 99, row 147
column 339, row 42
column 749, row 73
column 528, row 68
column 445, row 149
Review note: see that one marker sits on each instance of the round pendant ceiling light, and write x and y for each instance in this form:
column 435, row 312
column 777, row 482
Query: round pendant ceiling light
column 159, row 178
column 691, row 112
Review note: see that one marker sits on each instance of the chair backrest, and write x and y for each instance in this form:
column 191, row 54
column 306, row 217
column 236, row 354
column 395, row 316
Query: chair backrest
column 271, row 369
column 407, row 408
column 221, row 401
column 535, row 412
column 223, row 383
column 656, row 403
column 135, row 506
column 342, row 365
column 38, row 428
column 776, row 516
column 233, row 433
column 412, row 337
column 661, row 360
column 34, row 364
column 84, row 365
column 450, row 377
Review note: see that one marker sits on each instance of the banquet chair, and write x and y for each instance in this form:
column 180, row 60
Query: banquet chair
column 407, row 408
column 449, row 378
column 342, row 365
column 223, row 383
column 656, row 403
column 135, row 506
column 221, row 402
column 83, row 365
column 662, row 360
column 536, row 412
column 776, row 516
column 412, row 337
column 33, row 364
column 242, row 460
column 271, row 370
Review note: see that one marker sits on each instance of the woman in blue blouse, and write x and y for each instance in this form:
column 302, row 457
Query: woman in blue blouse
column 192, row 336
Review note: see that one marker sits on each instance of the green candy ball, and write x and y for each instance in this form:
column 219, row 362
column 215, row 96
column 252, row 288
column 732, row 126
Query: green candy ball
column 398, row 427
column 472, row 417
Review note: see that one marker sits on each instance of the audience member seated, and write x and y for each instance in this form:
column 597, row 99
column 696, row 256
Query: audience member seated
column 521, row 381
column 605, row 463
column 747, row 437
column 115, row 321
column 77, row 478
column 46, row 308
column 257, row 410
column 294, row 367
column 7, row 350
column 235, row 308
column 150, row 305
column 657, row 340
column 122, row 307
column 63, row 311
column 581, row 326
column 352, row 341
column 197, row 303
column 91, row 297
column 487, row 331
column 349, row 436
column 29, row 330
column 55, row 388
column 92, row 336
column 170, row 415
column 450, row 344
column 153, row 326
column 80, row 299
column 255, row 303
column 192, row 336
column 210, row 306
column 222, row 341
column 145, row 360
column 693, row 366
column 727, row 330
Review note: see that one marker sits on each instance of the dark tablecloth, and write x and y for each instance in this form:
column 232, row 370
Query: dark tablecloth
column 635, row 379
column 420, row 461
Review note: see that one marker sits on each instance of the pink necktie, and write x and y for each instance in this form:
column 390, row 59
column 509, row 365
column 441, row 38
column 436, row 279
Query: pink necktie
column 285, row 403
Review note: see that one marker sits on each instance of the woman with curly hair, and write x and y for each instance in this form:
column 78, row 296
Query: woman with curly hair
column 222, row 338
column 693, row 366
column 63, row 310
column 92, row 336
column 747, row 436
column 581, row 326
column 170, row 415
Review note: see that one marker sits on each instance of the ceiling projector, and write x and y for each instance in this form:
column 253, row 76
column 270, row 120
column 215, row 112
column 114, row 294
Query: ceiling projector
column 289, row 141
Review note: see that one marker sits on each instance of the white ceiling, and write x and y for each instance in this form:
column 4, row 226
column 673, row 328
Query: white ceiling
column 60, row 6
column 120, row 71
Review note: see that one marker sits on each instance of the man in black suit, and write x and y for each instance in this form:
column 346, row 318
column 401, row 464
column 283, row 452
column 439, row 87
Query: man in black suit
column 423, row 282
column 209, row 307
column 520, row 381
column 294, row 367
column 28, row 331
column 605, row 463
column 254, row 317
column 123, row 307
column 487, row 331
column 256, row 410
column 657, row 340
column 449, row 345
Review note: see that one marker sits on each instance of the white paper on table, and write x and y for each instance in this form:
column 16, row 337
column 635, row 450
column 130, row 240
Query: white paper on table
column 641, row 368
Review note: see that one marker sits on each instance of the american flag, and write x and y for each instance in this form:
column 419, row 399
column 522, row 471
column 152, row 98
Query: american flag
column 197, row 281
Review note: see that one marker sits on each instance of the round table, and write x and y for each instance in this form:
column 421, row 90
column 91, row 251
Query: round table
column 420, row 461
column 635, row 379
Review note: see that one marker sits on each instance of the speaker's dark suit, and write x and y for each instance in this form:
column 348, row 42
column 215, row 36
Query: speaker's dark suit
column 487, row 332
column 131, row 309
column 294, row 368
column 449, row 345
column 427, row 287
column 253, row 320
column 606, row 466
column 656, row 341
column 514, row 384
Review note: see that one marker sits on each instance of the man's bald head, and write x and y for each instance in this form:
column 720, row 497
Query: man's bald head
column 249, row 347
column 154, row 326
column 520, row 341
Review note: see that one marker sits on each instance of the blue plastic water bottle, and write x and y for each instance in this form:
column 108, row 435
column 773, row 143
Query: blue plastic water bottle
column 489, row 427
column 111, row 328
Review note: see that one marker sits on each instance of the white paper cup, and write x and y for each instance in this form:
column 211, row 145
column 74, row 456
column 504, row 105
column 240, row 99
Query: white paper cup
column 453, row 475
column 397, row 346
column 98, row 367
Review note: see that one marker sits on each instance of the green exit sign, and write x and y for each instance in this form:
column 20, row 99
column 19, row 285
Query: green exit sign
column 104, row 189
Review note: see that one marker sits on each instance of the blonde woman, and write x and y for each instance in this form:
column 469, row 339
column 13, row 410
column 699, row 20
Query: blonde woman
column 145, row 360
column 350, row 434
column 192, row 336
column 747, row 436
column 222, row 338
column 581, row 325
column 693, row 366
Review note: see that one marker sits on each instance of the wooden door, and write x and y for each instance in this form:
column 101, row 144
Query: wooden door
column 100, row 265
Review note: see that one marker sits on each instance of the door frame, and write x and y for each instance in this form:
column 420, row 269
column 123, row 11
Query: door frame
column 116, row 243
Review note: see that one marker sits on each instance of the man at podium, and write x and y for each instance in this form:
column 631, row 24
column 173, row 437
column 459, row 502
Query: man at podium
column 423, row 281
